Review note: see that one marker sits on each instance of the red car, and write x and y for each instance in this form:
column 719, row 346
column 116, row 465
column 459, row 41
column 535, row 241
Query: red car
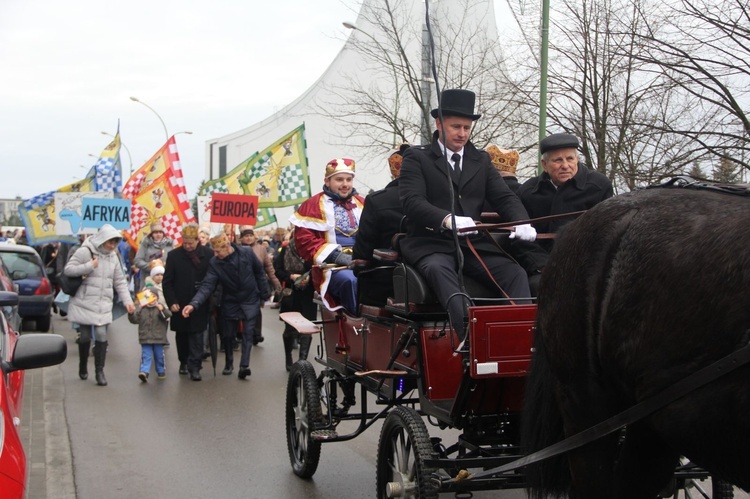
column 18, row 353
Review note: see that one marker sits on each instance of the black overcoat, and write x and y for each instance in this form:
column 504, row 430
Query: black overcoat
column 424, row 189
column 380, row 220
column 243, row 282
column 181, row 280
column 582, row 192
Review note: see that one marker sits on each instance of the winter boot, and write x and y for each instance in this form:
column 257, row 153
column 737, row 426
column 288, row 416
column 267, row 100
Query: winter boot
column 288, row 347
column 100, row 354
column 83, row 358
column 228, row 356
column 304, row 345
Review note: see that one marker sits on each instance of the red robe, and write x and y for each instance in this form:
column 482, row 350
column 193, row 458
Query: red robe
column 315, row 238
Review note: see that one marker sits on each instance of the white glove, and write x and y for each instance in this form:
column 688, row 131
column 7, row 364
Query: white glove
column 524, row 232
column 461, row 223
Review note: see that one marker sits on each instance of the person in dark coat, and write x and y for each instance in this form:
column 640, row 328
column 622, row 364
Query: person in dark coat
column 382, row 218
column 382, row 214
column 565, row 186
column 243, row 281
column 185, row 269
column 529, row 255
column 452, row 168
column 296, row 296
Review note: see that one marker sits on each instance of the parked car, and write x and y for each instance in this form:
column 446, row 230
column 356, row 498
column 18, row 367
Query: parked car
column 7, row 284
column 18, row 353
column 35, row 291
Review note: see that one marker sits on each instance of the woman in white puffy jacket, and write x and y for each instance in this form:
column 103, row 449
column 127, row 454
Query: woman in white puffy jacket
column 91, row 307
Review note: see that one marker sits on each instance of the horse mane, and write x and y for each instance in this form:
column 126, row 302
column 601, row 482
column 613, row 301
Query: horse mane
column 683, row 182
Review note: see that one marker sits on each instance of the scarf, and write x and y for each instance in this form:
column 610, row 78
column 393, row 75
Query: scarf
column 345, row 203
column 194, row 257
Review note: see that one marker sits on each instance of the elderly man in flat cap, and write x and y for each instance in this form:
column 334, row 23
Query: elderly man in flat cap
column 452, row 168
column 565, row 186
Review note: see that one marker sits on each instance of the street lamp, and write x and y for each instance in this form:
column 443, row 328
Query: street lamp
column 353, row 27
column 130, row 158
column 184, row 131
column 543, row 77
column 135, row 99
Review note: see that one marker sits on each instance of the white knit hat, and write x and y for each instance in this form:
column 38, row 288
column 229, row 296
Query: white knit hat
column 158, row 270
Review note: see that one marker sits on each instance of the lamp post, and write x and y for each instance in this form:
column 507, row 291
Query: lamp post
column 543, row 77
column 386, row 54
column 130, row 158
column 184, row 131
column 135, row 99
column 425, row 87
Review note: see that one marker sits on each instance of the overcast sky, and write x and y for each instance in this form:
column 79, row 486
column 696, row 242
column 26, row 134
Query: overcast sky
column 68, row 70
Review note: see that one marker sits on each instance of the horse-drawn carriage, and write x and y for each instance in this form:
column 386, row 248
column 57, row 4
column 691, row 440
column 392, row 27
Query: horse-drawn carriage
column 406, row 360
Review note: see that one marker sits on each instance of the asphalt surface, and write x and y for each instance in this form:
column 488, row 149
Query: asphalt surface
column 176, row 438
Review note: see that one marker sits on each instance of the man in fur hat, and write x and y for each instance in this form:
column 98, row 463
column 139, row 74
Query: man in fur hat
column 444, row 186
column 325, row 228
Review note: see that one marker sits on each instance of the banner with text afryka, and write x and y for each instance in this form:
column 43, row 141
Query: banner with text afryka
column 85, row 212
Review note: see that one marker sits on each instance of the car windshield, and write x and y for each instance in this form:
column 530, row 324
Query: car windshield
column 24, row 262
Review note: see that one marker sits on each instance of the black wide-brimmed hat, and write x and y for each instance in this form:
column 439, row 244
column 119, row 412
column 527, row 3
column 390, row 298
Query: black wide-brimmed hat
column 457, row 102
column 558, row 141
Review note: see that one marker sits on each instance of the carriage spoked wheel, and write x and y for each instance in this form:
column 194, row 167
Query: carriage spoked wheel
column 404, row 445
column 694, row 489
column 697, row 488
column 302, row 412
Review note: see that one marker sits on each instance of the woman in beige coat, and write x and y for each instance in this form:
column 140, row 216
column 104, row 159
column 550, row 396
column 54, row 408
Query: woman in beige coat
column 98, row 261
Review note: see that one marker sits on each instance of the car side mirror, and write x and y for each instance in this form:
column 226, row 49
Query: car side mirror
column 33, row 351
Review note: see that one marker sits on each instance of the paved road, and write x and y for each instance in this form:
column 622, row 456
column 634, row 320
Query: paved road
column 176, row 438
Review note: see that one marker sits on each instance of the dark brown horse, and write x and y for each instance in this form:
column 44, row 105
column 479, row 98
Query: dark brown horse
column 640, row 292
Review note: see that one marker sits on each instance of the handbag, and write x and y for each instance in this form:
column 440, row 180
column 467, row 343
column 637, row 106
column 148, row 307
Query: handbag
column 70, row 285
column 293, row 263
column 61, row 300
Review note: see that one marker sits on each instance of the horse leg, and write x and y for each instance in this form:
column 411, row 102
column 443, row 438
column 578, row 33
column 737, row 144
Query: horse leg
column 584, row 404
column 591, row 469
column 645, row 464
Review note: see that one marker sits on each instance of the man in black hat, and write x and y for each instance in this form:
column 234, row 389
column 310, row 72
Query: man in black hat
column 428, row 175
column 565, row 186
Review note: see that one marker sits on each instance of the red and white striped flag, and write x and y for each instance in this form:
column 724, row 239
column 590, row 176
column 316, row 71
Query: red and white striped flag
column 158, row 194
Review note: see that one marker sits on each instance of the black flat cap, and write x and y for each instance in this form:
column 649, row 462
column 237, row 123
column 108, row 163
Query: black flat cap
column 558, row 141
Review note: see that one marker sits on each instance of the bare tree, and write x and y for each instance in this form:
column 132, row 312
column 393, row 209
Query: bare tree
column 392, row 103
column 652, row 88
column 703, row 47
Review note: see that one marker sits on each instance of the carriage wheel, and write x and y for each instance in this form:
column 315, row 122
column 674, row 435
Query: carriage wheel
column 404, row 445
column 302, row 412
column 694, row 489
column 722, row 489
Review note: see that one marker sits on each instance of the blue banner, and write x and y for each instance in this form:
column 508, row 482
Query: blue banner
column 96, row 212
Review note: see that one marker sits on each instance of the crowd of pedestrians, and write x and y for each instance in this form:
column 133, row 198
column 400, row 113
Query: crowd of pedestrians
column 158, row 285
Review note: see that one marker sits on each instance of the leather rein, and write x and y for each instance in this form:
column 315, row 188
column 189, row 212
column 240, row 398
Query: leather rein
column 507, row 225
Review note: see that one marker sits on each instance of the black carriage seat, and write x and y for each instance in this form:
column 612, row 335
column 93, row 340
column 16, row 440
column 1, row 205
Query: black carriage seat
column 413, row 296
